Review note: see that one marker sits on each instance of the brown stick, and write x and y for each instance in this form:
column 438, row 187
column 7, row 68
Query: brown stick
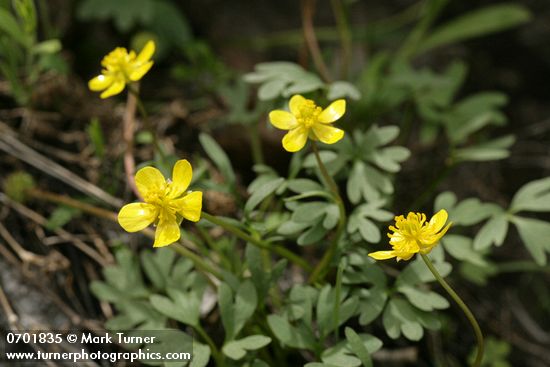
column 128, row 128
column 308, row 9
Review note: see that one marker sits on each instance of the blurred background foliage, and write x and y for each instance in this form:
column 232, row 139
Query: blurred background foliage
column 447, row 108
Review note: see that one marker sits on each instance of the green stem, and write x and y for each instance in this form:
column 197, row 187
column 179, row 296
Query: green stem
column 257, row 242
column 462, row 305
column 326, row 176
column 196, row 259
column 214, row 246
column 148, row 125
column 432, row 9
column 112, row 216
column 321, row 268
column 218, row 357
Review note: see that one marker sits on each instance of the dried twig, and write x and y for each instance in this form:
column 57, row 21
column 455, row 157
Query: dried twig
column 11, row 145
column 308, row 9
column 104, row 260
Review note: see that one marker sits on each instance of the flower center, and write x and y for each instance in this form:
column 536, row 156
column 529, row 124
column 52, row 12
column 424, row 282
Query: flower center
column 119, row 60
column 308, row 113
column 412, row 227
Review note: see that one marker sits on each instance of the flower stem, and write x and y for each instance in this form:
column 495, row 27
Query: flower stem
column 128, row 130
column 257, row 242
column 112, row 216
column 218, row 357
column 321, row 268
column 462, row 305
column 196, row 259
column 148, row 125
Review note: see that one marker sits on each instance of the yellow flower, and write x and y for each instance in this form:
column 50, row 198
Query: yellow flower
column 414, row 235
column 306, row 119
column 166, row 203
column 120, row 68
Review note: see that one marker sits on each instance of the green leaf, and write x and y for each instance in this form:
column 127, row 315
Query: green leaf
column 313, row 235
column 246, row 301
column 304, row 84
column 10, row 26
column 169, row 24
column 47, row 47
column 472, row 211
column 309, row 212
column 445, row 200
column 372, row 305
column 343, row 89
column 225, row 302
column 61, row 216
column 96, row 137
column 282, row 78
column 302, row 185
column 124, row 13
column 489, row 151
column 157, row 265
column 493, row 232
column 424, row 300
column 105, row 292
column 181, row 306
column 357, row 347
column 417, row 272
column 475, row 24
column 216, row 153
column 461, row 248
column 167, row 341
column 292, row 336
column 236, row 312
column 271, row 89
column 473, row 113
column 201, row 355
column 342, row 355
column 535, row 234
column 400, row 317
column 533, row 196
column 237, row 349
column 262, row 192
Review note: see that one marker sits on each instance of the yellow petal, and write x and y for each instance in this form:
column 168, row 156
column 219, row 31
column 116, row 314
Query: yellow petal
column 168, row 230
column 405, row 255
column 295, row 103
column 327, row 134
column 295, row 139
column 432, row 240
column 146, row 53
column 100, row 82
column 137, row 216
column 115, row 88
column 149, row 181
column 333, row 112
column 283, row 120
column 438, row 220
column 140, row 71
column 181, row 177
column 190, row 206
column 382, row 255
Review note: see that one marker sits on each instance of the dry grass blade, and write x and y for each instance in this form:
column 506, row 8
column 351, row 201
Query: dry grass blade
column 66, row 236
column 11, row 145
